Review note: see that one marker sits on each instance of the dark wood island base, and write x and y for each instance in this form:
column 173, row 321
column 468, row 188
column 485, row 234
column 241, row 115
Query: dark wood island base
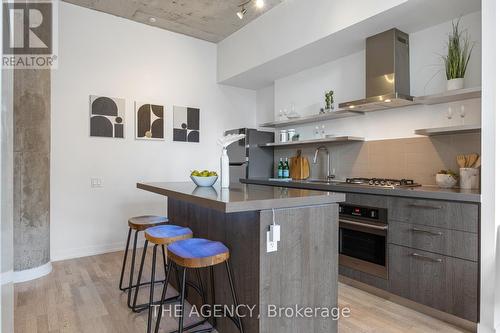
column 277, row 289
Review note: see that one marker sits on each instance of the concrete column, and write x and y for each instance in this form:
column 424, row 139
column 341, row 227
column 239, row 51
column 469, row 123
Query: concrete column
column 31, row 170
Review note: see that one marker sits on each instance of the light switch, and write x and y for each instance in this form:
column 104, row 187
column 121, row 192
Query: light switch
column 95, row 182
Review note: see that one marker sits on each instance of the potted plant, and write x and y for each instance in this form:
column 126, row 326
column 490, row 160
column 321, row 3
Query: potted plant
column 329, row 101
column 446, row 178
column 457, row 59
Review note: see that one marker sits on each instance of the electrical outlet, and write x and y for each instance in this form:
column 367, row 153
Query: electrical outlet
column 271, row 246
column 96, row 182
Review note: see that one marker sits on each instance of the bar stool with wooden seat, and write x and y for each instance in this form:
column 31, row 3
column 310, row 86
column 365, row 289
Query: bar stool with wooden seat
column 162, row 235
column 138, row 224
column 197, row 253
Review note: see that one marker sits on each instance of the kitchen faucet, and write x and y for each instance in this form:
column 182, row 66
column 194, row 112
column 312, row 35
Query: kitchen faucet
column 315, row 160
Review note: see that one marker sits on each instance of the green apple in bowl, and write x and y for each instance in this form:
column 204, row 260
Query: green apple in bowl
column 204, row 178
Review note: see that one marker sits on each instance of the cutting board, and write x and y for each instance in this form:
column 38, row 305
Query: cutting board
column 299, row 166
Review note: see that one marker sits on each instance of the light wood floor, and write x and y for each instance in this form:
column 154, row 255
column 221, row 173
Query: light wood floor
column 81, row 295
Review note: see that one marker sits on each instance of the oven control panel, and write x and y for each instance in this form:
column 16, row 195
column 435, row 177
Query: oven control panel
column 362, row 212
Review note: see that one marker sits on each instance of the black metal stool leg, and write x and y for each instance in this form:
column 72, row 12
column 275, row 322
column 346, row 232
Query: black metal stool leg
column 212, row 287
column 235, row 299
column 178, row 279
column 152, row 289
column 163, row 295
column 183, row 293
column 132, row 268
column 139, row 276
column 125, row 260
column 164, row 259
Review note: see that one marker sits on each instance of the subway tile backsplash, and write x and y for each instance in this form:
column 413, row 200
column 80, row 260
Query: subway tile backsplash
column 413, row 158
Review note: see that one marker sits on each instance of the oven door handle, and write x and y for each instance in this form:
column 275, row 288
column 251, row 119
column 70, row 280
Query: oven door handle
column 365, row 225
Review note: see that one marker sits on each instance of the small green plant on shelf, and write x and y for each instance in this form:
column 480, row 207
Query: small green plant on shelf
column 329, row 100
column 449, row 173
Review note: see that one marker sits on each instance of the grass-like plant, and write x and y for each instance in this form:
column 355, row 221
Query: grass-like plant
column 459, row 52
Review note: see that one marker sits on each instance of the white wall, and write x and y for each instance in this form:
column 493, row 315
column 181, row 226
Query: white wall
column 346, row 76
column 265, row 104
column 290, row 26
column 100, row 54
column 490, row 181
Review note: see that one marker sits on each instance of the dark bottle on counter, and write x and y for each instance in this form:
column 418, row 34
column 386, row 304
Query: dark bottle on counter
column 286, row 169
column 280, row 168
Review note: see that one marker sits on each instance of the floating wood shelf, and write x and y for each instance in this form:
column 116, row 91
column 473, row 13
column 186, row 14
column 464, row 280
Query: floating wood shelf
column 313, row 118
column 337, row 139
column 460, row 129
column 449, row 96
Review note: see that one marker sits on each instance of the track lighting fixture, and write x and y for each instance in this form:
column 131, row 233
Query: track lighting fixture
column 241, row 13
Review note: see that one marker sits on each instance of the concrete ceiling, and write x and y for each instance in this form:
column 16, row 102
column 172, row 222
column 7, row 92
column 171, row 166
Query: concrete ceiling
column 210, row 20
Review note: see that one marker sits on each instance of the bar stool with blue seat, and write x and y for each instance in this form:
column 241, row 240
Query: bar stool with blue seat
column 197, row 253
column 162, row 235
column 138, row 224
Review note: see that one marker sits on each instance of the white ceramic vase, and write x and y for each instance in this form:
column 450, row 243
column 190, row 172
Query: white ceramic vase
column 224, row 169
column 455, row 84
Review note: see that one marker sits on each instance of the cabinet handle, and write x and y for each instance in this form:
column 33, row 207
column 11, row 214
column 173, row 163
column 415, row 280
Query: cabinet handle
column 416, row 255
column 427, row 232
column 425, row 206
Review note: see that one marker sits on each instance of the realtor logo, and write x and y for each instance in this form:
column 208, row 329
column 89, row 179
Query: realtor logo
column 29, row 39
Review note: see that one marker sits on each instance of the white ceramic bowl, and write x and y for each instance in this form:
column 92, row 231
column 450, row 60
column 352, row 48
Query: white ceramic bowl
column 204, row 181
column 445, row 181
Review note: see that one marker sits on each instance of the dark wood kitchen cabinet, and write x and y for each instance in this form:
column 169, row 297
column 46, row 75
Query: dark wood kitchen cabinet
column 441, row 282
column 454, row 243
column 432, row 252
column 442, row 214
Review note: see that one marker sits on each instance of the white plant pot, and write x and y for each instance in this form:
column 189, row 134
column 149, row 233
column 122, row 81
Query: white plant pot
column 445, row 181
column 455, row 84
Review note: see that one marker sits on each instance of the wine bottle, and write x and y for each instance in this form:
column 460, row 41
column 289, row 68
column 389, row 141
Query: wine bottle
column 280, row 168
column 286, row 169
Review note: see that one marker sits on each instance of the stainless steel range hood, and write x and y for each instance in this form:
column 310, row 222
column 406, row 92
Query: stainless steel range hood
column 387, row 73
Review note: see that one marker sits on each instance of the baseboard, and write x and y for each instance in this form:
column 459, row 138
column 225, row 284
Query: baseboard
column 32, row 273
column 92, row 250
column 6, row 277
column 483, row 328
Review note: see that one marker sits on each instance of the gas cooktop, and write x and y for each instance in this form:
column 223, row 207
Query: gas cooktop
column 382, row 182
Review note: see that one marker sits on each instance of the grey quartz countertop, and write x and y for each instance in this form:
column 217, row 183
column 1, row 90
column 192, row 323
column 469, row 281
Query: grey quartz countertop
column 242, row 197
column 423, row 192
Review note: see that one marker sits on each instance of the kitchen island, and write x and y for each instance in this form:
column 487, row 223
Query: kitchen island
column 301, row 274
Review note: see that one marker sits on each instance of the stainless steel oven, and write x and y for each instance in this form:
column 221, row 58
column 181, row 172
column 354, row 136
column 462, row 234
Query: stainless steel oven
column 363, row 239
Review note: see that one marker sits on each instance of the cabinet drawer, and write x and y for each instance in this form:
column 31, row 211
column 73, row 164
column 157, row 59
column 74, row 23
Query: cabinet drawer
column 444, row 283
column 453, row 243
column 368, row 200
column 443, row 214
